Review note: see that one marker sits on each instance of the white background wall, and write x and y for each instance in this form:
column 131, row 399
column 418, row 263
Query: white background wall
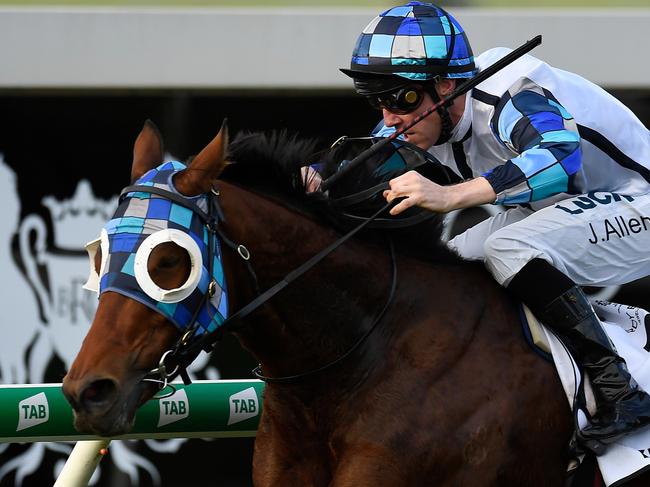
column 283, row 48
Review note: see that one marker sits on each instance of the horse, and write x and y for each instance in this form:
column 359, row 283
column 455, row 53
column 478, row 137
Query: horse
column 409, row 371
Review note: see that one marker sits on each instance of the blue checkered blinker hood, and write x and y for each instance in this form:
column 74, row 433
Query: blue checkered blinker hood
column 417, row 41
column 144, row 220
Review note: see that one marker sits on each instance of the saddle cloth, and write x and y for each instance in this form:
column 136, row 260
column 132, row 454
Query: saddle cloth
column 629, row 329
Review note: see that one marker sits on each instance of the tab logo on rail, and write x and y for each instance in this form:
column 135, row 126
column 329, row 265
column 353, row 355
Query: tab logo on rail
column 32, row 411
column 174, row 408
column 243, row 405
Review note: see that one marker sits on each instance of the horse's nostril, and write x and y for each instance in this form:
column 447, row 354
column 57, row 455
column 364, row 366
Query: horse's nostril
column 97, row 393
column 71, row 399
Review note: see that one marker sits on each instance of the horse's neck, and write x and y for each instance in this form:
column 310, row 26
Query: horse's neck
column 324, row 312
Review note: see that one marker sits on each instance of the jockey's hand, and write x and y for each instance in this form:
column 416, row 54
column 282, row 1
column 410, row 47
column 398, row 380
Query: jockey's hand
column 420, row 191
column 311, row 179
column 416, row 191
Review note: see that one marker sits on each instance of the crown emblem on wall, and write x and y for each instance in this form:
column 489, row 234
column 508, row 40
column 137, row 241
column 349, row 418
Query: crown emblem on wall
column 78, row 220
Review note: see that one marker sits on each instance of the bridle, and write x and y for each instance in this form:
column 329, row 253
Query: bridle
column 189, row 346
column 176, row 360
column 210, row 218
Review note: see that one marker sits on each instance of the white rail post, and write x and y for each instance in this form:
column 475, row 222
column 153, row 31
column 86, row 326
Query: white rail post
column 82, row 463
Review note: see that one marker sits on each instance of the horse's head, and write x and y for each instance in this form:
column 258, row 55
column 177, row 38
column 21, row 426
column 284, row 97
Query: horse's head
column 157, row 270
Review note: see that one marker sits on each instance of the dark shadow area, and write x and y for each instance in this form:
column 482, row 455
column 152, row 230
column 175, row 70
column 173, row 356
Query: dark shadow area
column 53, row 140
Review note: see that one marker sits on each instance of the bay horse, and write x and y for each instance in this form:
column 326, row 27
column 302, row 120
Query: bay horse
column 443, row 390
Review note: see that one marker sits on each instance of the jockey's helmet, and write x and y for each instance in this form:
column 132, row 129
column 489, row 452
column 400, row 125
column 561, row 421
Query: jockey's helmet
column 414, row 42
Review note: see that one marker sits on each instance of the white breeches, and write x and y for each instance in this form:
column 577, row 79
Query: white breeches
column 597, row 239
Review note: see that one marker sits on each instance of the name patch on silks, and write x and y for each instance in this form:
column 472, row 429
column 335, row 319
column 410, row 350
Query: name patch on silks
column 145, row 220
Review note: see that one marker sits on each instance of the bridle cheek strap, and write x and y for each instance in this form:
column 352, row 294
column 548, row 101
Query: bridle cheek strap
column 187, row 352
column 189, row 346
column 176, row 360
column 161, row 373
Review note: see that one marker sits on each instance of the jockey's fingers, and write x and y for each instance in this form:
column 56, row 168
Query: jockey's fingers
column 390, row 195
column 314, row 183
column 402, row 188
column 405, row 204
column 405, row 179
column 311, row 179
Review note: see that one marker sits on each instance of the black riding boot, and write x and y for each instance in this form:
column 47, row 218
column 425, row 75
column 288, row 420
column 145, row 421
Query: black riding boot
column 621, row 406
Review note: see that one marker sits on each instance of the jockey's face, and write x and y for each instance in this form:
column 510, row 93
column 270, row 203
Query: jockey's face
column 423, row 134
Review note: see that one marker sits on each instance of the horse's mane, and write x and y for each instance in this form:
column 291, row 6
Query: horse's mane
column 270, row 163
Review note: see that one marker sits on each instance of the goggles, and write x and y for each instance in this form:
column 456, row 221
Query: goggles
column 400, row 101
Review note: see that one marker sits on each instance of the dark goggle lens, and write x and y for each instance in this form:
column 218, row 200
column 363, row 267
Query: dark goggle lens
column 401, row 101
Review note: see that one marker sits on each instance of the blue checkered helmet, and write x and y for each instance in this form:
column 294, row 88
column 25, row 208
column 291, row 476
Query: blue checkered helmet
column 417, row 42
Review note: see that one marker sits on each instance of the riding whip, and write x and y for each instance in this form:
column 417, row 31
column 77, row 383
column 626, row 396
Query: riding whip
column 446, row 101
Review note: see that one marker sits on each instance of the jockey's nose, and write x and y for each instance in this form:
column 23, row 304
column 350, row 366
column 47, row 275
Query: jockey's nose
column 390, row 119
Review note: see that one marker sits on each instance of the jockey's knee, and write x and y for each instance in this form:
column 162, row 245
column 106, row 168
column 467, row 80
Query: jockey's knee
column 506, row 253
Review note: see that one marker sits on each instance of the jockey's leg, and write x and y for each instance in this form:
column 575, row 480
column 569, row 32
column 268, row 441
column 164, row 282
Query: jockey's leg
column 596, row 239
column 470, row 244
column 622, row 406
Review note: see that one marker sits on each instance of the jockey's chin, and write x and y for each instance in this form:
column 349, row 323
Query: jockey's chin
column 424, row 134
column 423, row 140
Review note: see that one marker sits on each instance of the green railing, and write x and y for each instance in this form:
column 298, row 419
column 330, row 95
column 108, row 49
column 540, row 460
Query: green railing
column 205, row 409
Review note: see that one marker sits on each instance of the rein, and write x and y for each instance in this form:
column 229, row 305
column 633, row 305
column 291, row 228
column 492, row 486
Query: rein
column 257, row 371
column 443, row 103
column 344, row 205
column 188, row 346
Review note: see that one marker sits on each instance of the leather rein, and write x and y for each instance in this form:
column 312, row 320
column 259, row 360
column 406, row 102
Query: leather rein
column 176, row 360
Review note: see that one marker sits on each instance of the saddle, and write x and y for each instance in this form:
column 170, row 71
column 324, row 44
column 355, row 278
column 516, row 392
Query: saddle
column 628, row 327
column 534, row 333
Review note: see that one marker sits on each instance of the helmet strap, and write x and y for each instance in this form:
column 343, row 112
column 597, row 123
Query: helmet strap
column 446, row 125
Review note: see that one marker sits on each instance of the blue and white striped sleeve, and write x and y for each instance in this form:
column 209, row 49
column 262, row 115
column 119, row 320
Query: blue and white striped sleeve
column 533, row 124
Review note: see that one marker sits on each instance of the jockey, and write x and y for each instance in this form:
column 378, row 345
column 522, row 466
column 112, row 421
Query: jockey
column 570, row 159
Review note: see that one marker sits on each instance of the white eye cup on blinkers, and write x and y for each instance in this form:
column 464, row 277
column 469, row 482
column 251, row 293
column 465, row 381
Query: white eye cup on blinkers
column 92, row 247
column 143, row 278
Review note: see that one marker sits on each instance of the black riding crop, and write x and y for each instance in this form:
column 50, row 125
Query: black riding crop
column 446, row 101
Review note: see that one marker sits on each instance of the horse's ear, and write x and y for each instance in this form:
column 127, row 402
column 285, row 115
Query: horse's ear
column 205, row 167
column 147, row 151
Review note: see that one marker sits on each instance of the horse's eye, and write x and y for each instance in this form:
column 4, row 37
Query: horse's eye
column 169, row 265
column 168, row 262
